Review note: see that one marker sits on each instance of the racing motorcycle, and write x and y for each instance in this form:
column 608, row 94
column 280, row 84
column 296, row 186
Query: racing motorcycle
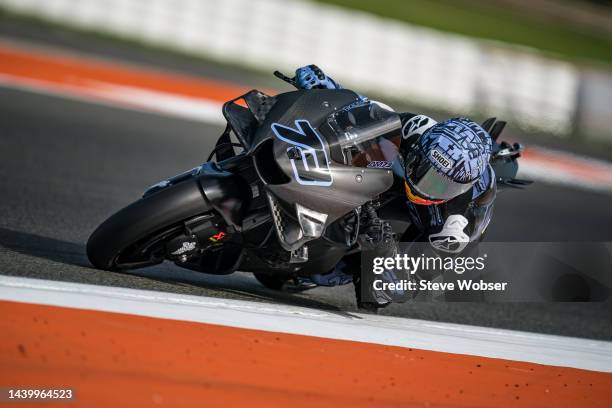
column 288, row 203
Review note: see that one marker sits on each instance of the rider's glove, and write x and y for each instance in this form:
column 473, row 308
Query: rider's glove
column 378, row 232
column 311, row 77
column 374, row 230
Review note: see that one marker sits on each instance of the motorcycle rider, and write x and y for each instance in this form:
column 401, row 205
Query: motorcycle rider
column 448, row 183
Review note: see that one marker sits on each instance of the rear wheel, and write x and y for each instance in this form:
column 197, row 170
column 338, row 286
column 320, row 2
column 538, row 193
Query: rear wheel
column 134, row 237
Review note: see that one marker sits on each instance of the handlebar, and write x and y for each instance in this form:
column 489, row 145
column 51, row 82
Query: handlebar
column 285, row 78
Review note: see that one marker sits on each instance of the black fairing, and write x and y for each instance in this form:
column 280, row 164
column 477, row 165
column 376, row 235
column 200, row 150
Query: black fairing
column 336, row 192
column 226, row 192
column 267, row 128
column 244, row 120
column 313, row 105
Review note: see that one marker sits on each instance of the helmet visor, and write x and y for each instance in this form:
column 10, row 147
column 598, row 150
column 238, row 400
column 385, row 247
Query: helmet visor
column 416, row 199
column 428, row 183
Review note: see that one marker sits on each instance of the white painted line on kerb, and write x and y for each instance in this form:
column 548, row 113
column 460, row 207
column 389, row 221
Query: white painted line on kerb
column 444, row 337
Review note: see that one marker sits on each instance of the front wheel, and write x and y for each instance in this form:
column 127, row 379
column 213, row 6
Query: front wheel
column 134, row 236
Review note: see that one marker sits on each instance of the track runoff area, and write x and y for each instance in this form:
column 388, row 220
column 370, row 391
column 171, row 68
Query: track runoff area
column 128, row 347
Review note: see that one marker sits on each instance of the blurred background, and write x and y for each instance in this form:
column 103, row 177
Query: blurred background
column 544, row 65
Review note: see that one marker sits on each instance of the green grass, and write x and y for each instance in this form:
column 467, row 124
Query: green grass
column 487, row 20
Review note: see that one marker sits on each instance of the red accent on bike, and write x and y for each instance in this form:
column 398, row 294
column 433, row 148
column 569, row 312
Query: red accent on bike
column 217, row 237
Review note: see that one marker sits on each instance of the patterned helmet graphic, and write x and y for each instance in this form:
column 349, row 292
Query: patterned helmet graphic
column 458, row 148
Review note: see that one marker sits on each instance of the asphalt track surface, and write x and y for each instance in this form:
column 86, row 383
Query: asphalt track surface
column 66, row 165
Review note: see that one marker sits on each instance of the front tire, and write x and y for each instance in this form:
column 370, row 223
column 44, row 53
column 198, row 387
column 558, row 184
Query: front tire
column 145, row 218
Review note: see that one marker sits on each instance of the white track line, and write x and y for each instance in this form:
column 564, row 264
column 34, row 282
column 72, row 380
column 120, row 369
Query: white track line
column 444, row 337
column 124, row 97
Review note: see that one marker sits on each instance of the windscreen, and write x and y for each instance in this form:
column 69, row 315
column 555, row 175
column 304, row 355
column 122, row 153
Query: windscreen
column 367, row 134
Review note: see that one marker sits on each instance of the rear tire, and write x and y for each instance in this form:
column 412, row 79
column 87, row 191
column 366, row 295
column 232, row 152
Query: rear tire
column 144, row 218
